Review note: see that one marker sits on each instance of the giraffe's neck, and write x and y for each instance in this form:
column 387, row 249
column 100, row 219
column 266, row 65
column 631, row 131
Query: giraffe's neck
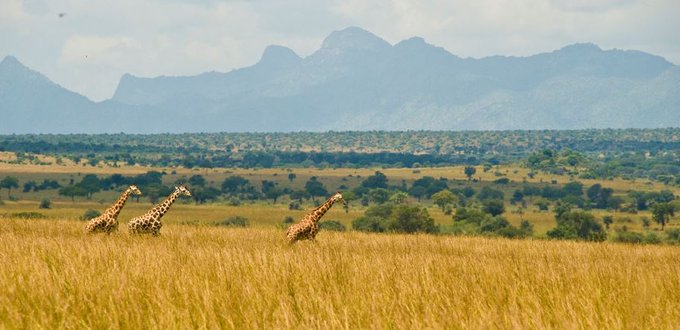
column 321, row 210
column 115, row 208
column 165, row 206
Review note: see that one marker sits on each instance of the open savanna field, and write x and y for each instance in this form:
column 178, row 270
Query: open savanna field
column 263, row 213
column 54, row 276
column 198, row 275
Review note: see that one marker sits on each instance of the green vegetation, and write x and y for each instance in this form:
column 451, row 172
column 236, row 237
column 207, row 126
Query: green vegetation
column 581, row 185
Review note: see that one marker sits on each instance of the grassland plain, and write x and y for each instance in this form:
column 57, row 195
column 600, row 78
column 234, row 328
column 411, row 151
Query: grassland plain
column 54, row 276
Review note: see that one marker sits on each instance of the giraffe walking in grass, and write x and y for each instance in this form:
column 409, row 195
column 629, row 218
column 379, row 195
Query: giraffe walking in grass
column 150, row 223
column 308, row 227
column 108, row 222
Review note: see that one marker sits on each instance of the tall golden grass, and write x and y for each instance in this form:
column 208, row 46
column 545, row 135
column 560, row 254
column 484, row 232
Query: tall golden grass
column 55, row 276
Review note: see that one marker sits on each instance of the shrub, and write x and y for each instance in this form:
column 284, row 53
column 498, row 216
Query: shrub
column 577, row 225
column 411, row 219
column 234, row 201
column 294, row 206
column 332, row 225
column 542, row 205
column 288, row 220
column 625, row 236
column 235, row 221
column 494, row 207
column 493, row 224
column 90, row 214
column 28, row 215
column 652, row 238
column 673, row 236
column 45, row 203
column 489, row 193
column 372, row 224
column 470, row 215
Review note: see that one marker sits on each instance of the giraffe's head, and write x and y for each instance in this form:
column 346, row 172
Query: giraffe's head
column 338, row 198
column 183, row 191
column 134, row 190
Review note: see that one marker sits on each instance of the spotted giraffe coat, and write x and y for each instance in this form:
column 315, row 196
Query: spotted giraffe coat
column 108, row 221
column 308, row 227
column 150, row 223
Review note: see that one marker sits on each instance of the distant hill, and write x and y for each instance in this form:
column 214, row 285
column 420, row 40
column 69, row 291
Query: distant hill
column 358, row 81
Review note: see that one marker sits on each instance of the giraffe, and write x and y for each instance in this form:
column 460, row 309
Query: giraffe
column 150, row 223
column 108, row 222
column 308, row 227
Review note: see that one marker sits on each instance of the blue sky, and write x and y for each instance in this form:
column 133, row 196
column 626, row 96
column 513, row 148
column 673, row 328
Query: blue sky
column 92, row 43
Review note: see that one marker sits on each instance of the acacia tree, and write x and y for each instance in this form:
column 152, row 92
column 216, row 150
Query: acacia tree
column 662, row 213
column 9, row 182
column 444, row 198
column 315, row 188
column 470, row 171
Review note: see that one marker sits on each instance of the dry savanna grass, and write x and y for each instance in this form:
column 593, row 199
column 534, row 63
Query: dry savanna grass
column 54, row 276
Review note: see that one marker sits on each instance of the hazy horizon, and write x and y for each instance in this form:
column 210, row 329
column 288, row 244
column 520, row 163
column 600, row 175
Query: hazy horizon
column 87, row 47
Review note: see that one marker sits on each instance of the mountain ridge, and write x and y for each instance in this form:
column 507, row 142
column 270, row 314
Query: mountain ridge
column 358, row 81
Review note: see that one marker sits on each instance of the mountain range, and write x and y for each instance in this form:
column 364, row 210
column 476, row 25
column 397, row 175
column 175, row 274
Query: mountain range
column 358, row 81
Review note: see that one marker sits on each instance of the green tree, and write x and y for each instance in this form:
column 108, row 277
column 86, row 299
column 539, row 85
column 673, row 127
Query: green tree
column 396, row 218
column 270, row 190
column 577, row 225
column 45, row 203
column 379, row 195
column 291, row 177
column 489, row 193
column 662, row 213
column 494, row 207
column 399, row 197
column 315, row 188
column 377, row 180
column 204, row 194
column 411, row 219
column 331, row 225
column 197, row 180
column 607, row 220
column 72, row 191
column 469, row 172
column 444, row 198
column 91, row 184
column 573, row 188
column 8, row 183
column 234, row 184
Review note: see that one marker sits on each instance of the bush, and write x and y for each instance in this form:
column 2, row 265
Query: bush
column 332, row 225
column 235, row 221
column 371, row 224
column 625, row 236
column 45, row 204
column 542, row 205
column 470, row 215
column 652, row 238
column 234, row 201
column 562, row 232
column 489, row 193
column 494, row 207
column 90, row 214
column 288, row 220
column 411, row 219
column 294, row 206
column 494, row 224
column 502, row 181
column 673, row 236
column 577, row 225
column 28, row 215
